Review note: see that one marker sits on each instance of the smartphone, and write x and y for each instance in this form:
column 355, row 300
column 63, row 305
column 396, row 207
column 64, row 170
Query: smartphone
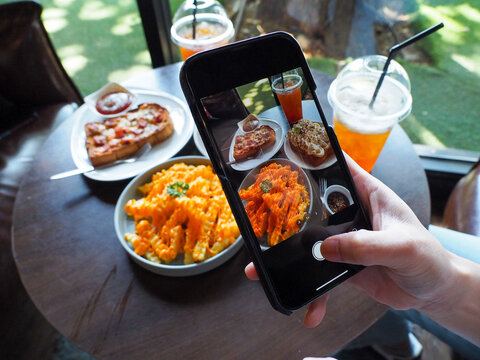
column 278, row 160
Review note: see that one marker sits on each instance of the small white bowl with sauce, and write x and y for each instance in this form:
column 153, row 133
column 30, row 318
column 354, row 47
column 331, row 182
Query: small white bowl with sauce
column 337, row 198
column 110, row 101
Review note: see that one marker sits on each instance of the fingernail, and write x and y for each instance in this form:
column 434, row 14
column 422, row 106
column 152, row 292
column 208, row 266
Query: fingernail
column 329, row 249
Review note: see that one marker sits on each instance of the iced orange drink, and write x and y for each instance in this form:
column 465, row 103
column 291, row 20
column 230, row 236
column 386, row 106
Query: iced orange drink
column 363, row 130
column 211, row 31
column 289, row 93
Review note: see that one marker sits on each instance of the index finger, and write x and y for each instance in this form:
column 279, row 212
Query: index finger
column 251, row 272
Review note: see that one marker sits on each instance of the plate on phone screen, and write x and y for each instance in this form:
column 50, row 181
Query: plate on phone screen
column 297, row 159
column 302, row 179
column 262, row 155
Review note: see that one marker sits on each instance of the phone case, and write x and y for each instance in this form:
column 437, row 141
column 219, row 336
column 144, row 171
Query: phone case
column 287, row 253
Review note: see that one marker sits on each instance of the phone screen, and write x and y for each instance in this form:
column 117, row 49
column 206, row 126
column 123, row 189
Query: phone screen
column 295, row 193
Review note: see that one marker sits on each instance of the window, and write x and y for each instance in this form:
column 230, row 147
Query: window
column 100, row 41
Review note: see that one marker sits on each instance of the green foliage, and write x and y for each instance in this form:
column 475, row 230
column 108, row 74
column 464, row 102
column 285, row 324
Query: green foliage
column 97, row 41
column 445, row 112
column 102, row 40
column 257, row 96
column 326, row 65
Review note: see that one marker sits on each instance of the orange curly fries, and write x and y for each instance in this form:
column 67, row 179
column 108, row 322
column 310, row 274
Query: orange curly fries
column 276, row 203
column 183, row 211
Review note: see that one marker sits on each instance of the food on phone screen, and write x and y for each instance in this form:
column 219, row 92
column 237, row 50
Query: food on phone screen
column 250, row 123
column 309, row 140
column 113, row 103
column 277, row 203
column 250, row 144
column 183, row 211
column 337, row 201
column 114, row 138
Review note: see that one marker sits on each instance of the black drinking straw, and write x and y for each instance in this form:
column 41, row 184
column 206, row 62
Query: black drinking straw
column 194, row 24
column 393, row 51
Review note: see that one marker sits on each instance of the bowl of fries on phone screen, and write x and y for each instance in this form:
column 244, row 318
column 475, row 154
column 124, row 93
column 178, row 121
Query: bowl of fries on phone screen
column 277, row 196
column 173, row 219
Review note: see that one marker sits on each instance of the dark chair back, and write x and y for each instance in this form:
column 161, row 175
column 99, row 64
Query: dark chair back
column 30, row 72
column 36, row 95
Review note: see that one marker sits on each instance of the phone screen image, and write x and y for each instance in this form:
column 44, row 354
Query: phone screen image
column 279, row 159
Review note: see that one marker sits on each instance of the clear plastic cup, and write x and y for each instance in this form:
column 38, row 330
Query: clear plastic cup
column 189, row 7
column 374, row 64
column 362, row 131
column 212, row 30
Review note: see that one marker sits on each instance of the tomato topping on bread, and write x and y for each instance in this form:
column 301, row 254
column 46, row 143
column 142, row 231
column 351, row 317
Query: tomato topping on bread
column 117, row 137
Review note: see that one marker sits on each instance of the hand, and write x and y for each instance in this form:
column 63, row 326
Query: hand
column 406, row 266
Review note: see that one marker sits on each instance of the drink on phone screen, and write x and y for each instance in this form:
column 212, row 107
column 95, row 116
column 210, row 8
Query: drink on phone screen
column 362, row 131
column 211, row 31
column 289, row 93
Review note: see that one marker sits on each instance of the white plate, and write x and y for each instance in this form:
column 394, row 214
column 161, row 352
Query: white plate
column 292, row 155
column 183, row 128
column 262, row 156
column 197, row 139
column 124, row 224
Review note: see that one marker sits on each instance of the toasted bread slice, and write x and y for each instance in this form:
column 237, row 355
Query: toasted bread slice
column 249, row 144
column 118, row 137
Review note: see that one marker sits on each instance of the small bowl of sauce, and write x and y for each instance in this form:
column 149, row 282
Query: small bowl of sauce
column 111, row 100
column 250, row 123
column 337, row 198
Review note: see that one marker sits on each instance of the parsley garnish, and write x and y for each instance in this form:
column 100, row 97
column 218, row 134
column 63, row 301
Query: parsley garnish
column 177, row 189
column 266, row 186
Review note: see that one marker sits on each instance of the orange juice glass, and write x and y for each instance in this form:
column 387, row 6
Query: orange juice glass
column 211, row 31
column 289, row 92
column 362, row 131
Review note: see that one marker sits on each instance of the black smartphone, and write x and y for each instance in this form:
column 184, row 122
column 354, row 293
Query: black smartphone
column 278, row 160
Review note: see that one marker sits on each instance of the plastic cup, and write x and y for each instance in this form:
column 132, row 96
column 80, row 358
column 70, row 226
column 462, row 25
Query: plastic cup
column 362, row 131
column 212, row 30
column 289, row 92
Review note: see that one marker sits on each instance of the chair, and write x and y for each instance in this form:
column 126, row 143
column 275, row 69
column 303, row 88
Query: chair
column 462, row 211
column 36, row 95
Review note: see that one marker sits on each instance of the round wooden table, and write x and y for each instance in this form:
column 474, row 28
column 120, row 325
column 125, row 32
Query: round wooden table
column 83, row 282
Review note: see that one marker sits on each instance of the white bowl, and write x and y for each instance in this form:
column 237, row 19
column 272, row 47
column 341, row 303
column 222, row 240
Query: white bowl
column 124, row 224
column 336, row 188
column 91, row 100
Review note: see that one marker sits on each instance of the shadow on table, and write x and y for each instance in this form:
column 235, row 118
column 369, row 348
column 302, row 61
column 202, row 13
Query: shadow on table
column 214, row 285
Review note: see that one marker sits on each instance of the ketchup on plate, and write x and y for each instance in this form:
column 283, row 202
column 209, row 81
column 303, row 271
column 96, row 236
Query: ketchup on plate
column 113, row 103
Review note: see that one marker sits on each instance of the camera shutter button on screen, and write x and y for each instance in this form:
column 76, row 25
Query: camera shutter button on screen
column 317, row 254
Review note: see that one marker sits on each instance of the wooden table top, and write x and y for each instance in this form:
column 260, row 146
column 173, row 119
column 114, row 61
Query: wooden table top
column 83, row 282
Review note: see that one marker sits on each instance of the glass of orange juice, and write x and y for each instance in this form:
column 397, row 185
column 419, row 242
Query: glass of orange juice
column 363, row 130
column 211, row 31
column 288, row 88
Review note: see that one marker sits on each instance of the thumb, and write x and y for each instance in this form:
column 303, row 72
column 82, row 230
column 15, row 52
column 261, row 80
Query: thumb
column 363, row 247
